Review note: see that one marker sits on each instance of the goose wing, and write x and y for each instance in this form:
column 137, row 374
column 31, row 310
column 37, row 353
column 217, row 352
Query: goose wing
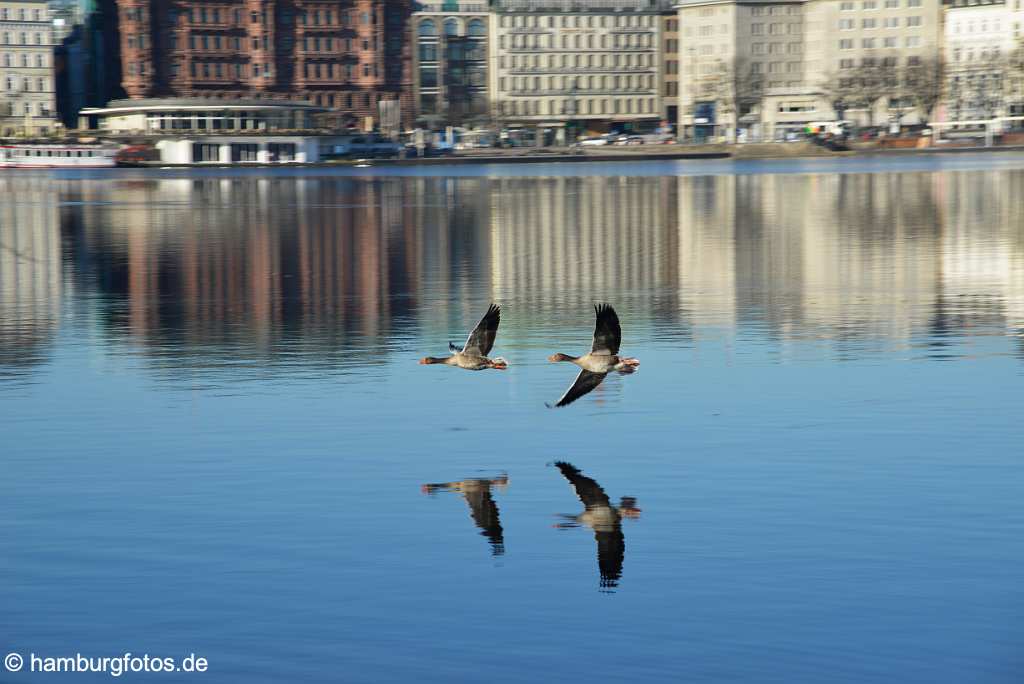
column 584, row 383
column 588, row 491
column 484, row 512
column 607, row 333
column 611, row 552
column 481, row 340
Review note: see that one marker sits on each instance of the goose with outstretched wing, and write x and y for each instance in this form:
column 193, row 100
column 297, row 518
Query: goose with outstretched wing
column 473, row 354
column 605, row 519
column 482, row 507
column 602, row 358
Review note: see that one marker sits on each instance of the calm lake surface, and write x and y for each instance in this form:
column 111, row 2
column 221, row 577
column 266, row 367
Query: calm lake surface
column 216, row 438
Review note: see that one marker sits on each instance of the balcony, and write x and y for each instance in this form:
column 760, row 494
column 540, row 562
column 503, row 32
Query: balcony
column 538, row 71
column 578, row 51
column 580, row 93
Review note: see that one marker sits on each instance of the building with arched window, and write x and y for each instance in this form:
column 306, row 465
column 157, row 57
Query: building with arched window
column 450, row 63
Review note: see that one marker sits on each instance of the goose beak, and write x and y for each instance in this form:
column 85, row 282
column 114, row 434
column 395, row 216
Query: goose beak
column 553, row 358
column 500, row 364
column 424, row 361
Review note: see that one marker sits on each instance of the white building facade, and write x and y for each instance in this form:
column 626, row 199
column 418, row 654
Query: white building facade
column 27, row 88
column 981, row 37
column 572, row 67
column 768, row 69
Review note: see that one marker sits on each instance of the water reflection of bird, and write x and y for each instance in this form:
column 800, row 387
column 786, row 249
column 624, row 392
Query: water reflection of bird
column 605, row 519
column 482, row 507
column 602, row 359
column 473, row 354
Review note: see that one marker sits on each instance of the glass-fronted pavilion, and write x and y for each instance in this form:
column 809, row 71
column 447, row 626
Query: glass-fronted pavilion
column 177, row 116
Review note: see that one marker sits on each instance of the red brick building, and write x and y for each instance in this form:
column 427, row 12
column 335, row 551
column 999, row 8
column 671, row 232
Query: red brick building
column 345, row 55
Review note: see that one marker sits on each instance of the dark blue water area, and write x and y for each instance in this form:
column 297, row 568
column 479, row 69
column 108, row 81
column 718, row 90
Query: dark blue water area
column 216, row 437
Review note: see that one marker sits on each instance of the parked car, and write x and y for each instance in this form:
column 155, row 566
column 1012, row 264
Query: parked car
column 630, row 140
column 588, row 142
column 365, row 145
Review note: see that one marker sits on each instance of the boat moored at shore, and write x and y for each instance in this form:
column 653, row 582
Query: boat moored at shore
column 50, row 155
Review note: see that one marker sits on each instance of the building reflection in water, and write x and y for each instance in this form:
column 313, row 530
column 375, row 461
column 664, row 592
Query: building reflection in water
column 482, row 507
column 327, row 271
column 32, row 282
column 605, row 519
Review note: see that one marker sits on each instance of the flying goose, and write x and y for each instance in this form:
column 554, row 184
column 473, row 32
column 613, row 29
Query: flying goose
column 605, row 519
column 473, row 354
column 602, row 358
column 482, row 507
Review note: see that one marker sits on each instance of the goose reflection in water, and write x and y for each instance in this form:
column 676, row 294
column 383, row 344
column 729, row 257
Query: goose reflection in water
column 605, row 519
column 482, row 507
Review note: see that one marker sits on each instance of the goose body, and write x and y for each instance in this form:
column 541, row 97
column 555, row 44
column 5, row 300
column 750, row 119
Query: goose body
column 473, row 354
column 603, row 357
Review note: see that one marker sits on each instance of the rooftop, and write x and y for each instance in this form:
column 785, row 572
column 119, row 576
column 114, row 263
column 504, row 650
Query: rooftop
column 205, row 103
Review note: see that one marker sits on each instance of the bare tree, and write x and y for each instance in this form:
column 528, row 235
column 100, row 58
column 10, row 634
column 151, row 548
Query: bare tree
column 734, row 86
column 836, row 92
column 925, row 80
column 1014, row 84
column 857, row 88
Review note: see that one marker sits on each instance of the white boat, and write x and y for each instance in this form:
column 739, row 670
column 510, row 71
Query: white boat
column 57, row 155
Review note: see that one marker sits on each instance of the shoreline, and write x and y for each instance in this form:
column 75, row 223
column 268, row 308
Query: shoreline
column 746, row 152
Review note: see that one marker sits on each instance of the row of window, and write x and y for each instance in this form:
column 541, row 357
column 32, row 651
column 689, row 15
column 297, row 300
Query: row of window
column 628, row 41
column 983, row 26
column 27, row 60
column 576, row 61
column 888, row 42
column 775, row 29
column 984, row 55
column 475, row 27
column 66, row 154
column 215, row 15
column 317, row 44
column 869, row 5
column 775, row 10
column 551, row 107
column 7, row 14
column 27, row 85
column 473, row 51
column 454, row 76
column 334, row 72
column 11, row 109
column 776, row 48
column 889, row 61
column 534, row 83
column 872, row 23
column 23, row 38
column 577, row 21
column 776, row 67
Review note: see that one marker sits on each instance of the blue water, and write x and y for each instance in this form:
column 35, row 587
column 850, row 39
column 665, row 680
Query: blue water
column 215, row 435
